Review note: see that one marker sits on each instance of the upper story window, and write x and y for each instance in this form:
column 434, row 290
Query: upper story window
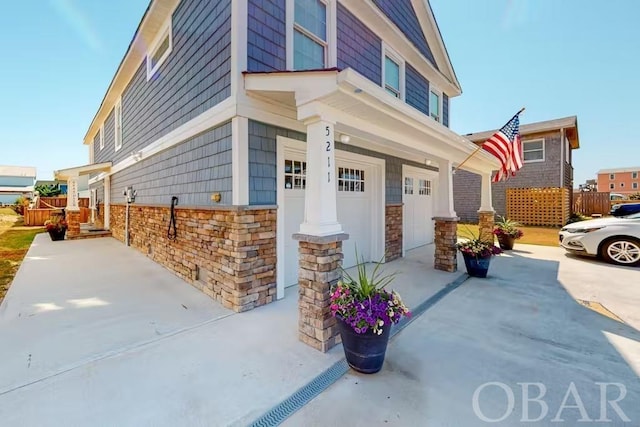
column 612, row 176
column 634, row 185
column 159, row 50
column 612, row 186
column 310, row 41
column 435, row 104
column 102, row 136
column 634, row 175
column 118, row 124
column 533, row 150
column 393, row 72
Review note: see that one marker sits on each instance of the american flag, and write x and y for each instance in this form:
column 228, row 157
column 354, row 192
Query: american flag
column 505, row 144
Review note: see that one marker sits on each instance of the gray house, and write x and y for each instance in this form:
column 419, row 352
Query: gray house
column 16, row 181
column 279, row 126
column 548, row 164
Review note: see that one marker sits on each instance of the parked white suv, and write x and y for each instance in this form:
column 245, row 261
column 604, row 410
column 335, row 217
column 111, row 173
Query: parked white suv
column 617, row 240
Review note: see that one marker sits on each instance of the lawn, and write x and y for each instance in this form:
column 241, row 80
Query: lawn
column 532, row 235
column 14, row 243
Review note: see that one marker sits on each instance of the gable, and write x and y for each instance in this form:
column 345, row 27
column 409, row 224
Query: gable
column 402, row 14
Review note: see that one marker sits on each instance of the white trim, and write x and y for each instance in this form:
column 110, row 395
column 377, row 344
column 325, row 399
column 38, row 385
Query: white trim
column 387, row 51
column 427, row 173
column 612, row 176
column 92, row 147
column 525, row 142
column 239, row 25
column 165, row 31
column 107, row 202
column 634, row 175
column 240, row 160
column 612, row 186
column 438, row 93
column 330, row 45
column 285, row 146
column 634, row 185
column 101, row 131
column 117, row 130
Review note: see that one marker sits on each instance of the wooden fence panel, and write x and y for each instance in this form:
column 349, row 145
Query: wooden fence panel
column 591, row 202
column 61, row 202
column 548, row 207
column 33, row 217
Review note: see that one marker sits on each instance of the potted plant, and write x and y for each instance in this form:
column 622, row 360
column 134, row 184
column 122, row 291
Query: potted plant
column 507, row 232
column 365, row 311
column 56, row 226
column 477, row 255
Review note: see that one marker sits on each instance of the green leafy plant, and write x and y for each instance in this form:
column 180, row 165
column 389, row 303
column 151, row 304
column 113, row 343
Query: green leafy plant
column 45, row 190
column 507, row 227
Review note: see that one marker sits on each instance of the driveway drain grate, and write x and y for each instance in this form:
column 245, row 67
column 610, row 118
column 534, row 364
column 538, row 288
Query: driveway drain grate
column 276, row 415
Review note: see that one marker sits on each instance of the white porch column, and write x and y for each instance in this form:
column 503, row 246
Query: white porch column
column 107, row 201
column 72, row 194
column 320, row 206
column 486, row 204
column 444, row 206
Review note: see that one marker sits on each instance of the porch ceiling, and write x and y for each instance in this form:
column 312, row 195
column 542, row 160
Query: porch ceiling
column 65, row 174
column 366, row 112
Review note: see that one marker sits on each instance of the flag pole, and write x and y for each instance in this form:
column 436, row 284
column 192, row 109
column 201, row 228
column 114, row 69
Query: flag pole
column 480, row 146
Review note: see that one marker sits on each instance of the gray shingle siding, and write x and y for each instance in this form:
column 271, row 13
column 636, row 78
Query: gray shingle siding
column 358, row 47
column 466, row 195
column 263, row 161
column 96, row 145
column 417, row 88
column 192, row 171
column 401, row 13
column 445, row 110
column 266, row 35
column 195, row 77
column 106, row 153
column 99, row 186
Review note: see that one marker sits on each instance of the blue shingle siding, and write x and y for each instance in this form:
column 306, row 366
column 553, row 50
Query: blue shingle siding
column 192, row 171
column 107, row 152
column 445, row 110
column 263, row 161
column 401, row 13
column 195, row 77
column 417, row 90
column 266, row 35
column 358, row 47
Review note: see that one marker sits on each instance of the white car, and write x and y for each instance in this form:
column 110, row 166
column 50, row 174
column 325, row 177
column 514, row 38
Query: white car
column 617, row 240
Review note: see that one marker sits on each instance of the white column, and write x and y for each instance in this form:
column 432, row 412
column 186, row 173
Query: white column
column 320, row 206
column 107, row 201
column 72, row 194
column 444, row 206
column 486, row 204
column 240, row 160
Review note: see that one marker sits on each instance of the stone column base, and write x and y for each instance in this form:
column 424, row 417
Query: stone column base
column 320, row 259
column 446, row 237
column 73, row 221
column 486, row 221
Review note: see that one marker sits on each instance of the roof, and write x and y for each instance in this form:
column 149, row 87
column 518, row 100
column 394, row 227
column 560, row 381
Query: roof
column 620, row 170
column 26, row 171
column 569, row 124
column 16, row 190
column 65, row 174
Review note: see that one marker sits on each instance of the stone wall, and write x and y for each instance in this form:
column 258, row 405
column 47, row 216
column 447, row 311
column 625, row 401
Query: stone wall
column 393, row 232
column 446, row 236
column 99, row 219
column 228, row 253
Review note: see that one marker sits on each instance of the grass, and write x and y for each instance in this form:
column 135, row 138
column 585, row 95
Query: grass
column 14, row 243
column 543, row 236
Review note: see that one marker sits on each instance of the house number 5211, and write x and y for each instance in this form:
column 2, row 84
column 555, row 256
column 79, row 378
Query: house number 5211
column 328, row 130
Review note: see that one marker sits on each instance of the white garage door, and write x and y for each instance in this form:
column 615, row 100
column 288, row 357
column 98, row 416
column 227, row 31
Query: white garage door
column 355, row 210
column 418, row 208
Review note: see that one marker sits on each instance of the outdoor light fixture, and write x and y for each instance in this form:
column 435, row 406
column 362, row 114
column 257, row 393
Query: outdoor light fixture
column 427, row 162
column 345, row 138
column 137, row 155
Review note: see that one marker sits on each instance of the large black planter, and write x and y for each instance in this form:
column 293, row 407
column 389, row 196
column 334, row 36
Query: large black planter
column 364, row 352
column 506, row 242
column 57, row 234
column 476, row 267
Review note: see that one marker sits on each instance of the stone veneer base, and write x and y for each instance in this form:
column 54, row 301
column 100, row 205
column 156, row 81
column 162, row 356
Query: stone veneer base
column 486, row 221
column 393, row 231
column 446, row 237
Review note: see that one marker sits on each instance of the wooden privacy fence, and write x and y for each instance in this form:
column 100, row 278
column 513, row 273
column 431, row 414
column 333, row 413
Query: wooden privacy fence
column 33, row 217
column 539, row 206
column 61, row 202
column 590, row 203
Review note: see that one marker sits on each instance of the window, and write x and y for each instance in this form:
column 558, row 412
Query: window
column 392, row 72
column 634, row 185
column 424, row 187
column 160, row 49
column 408, row 185
column 612, row 186
column 533, row 151
column 118, row 125
column 295, row 175
column 434, row 105
column 634, row 175
column 102, row 137
column 310, row 40
column 612, row 176
column 351, row 180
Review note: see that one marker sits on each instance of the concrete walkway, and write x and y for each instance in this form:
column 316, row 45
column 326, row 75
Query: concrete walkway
column 94, row 333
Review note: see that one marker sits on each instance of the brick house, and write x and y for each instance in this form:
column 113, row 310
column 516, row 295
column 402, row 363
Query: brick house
column 547, row 148
column 619, row 180
column 282, row 127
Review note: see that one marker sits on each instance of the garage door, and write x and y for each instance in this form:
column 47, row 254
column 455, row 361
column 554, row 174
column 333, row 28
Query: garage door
column 354, row 209
column 418, row 209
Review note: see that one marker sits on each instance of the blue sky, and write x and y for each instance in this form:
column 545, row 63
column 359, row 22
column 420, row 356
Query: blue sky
column 556, row 58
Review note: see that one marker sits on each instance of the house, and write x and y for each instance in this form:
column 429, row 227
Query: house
column 16, row 181
column 237, row 134
column 541, row 192
column 619, row 180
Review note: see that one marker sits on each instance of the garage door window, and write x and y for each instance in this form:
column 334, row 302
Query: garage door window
column 351, row 180
column 295, row 175
column 424, row 187
column 408, row 185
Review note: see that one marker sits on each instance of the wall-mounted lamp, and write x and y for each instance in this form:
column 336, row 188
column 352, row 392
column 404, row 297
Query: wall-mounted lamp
column 137, row 155
column 345, row 138
column 427, row 162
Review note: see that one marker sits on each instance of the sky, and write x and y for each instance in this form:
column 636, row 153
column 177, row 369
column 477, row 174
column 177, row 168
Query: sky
column 556, row 58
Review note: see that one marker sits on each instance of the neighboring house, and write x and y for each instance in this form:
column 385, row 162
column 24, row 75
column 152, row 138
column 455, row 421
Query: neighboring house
column 619, row 180
column 62, row 185
column 16, row 181
column 267, row 118
column 547, row 149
